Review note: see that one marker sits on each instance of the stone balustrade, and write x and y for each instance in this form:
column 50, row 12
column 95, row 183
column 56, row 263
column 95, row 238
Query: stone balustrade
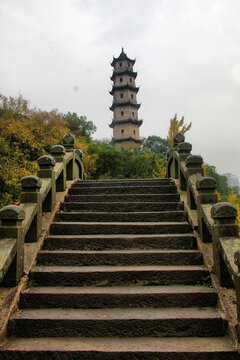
column 23, row 223
column 216, row 221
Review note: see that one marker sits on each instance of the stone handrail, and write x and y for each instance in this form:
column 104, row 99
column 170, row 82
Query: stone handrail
column 215, row 221
column 23, row 223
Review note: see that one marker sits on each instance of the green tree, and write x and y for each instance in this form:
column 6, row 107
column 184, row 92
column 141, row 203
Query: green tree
column 79, row 125
column 222, row 185
column 156, row 144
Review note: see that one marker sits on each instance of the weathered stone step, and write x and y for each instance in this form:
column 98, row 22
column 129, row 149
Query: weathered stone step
column 163, row 189
column 124, row 198
column 119, row 257
column 119, row 348
column 118, row 275
column 124, row 182
column 81, row 228
column 157, row 216
column 104, row 242
column 117, row 296
column 161, row 322
column 123, row 206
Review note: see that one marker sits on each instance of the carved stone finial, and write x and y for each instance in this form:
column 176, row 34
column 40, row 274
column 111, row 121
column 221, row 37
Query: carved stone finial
column 58, row 150
column 31, row 182
column 12, row 212
column 184, row 147
column 178, row 138
column 46, row 160
column 206, row 183
column 223, row 210
column 194, row 160
column 69, row 139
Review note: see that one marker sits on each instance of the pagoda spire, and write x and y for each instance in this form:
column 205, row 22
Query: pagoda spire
column 125, row 123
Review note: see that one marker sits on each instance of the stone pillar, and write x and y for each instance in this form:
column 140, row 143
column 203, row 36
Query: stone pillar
column 237, row 287
column 224, row 215
column 206, row 187
column 194, row 167
column 58, row 152
column 46, row 164
column 184, row 150
column 30, row 194
column 69, row 144
column 177, row 139
column 11, row 217
column 78, row 169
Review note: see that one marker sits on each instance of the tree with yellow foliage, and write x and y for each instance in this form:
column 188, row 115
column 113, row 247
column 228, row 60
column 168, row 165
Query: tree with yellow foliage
column 177, row 126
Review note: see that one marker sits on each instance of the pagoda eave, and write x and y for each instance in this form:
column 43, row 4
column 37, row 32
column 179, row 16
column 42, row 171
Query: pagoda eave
column 128, row 103
column 132, row 121
column 124, row 87
column 125, row 72
column 130, row 138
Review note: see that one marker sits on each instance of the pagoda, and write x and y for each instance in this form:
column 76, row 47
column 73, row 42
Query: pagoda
column 125, row 123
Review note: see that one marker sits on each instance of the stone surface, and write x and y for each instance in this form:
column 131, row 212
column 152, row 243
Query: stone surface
column 12, row 212
column 194, row 160
column 178, row 138
column 79, row 152
column 69, row 139
column 58, row 150
column 184, row 147
column 206, row 183
column 46, row 160
column 31, row 182
column 223, row 210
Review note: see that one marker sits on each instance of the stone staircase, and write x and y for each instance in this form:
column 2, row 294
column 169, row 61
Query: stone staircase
column 119, row 277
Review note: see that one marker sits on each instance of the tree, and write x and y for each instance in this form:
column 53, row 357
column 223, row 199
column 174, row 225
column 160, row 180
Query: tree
column 161, row 167
column 156, row 144
column 177, row 126
column 79, row 125
column 222, row 185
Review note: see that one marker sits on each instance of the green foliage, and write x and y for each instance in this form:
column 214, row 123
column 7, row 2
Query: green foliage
column 125, row 164
column 156, row 144
column 25, row 135
column 79, row 125
column 222, row 185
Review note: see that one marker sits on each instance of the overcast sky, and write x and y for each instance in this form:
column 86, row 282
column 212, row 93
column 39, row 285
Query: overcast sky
column 187, row 57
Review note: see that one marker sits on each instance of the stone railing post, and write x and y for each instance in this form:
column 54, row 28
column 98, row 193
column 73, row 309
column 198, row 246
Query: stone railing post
column 237, row 286
column 30, row 194
column 224, row 215
column 194, row 167
column 11, row 217
column 184, row 150
column 206, row 194
column 46, row 164
column 69, row 144
column 58, row 152
column 177, row 139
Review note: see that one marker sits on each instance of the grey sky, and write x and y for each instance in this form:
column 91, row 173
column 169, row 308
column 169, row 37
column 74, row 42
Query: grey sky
column 187, row 57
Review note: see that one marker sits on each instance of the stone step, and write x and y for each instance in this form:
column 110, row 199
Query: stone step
column 117, row 296
column 119, row 257
column 124, row 198
column 124, row 182
column 157, row 216
column 118, row 275
column 123, row 206
column 119, row 348
column 130, row 322
column 82, row 228
column 104, row 242
column 163, row 189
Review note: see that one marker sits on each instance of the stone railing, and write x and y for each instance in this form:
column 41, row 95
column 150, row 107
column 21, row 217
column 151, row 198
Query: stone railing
column 23, row 223
column 215, row 221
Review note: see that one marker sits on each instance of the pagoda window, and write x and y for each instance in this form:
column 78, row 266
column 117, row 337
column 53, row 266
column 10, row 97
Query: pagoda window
column 120, row 79
column 122, row 113
column 130, row 80
column 121, row 95
column 131, row 96
column 122, row 131
column 128, row 64
column 120, row 64
column 132, row 113
column 134, row 132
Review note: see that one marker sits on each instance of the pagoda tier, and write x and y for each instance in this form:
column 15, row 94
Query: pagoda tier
column 130, row 138
column 125, row 103
column 122, row 57
column 124, row 87
column 124, row 72
column 131, row 121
